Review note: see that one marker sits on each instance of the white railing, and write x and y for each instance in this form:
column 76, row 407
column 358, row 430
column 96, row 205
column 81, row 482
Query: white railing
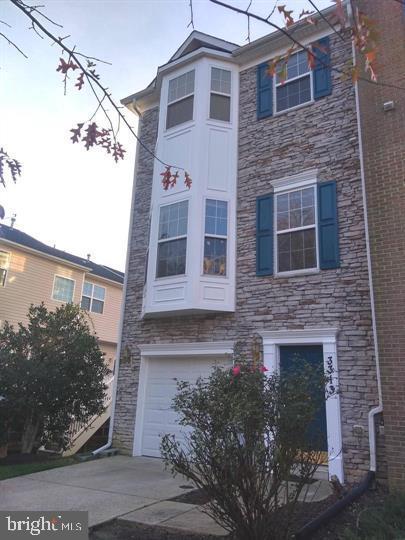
column 77, row 427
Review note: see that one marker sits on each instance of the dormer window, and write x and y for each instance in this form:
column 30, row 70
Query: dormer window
column 220, row 99
column 181, row 99
column 293, row 82
column 172, row 240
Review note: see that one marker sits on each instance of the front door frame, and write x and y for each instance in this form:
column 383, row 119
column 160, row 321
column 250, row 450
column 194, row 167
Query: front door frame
column 272, row 340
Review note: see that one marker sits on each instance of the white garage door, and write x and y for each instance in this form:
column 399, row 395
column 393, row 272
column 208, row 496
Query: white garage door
column 159, row 418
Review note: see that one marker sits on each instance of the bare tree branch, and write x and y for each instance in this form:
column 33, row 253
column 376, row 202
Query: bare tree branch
column 5, row 23
column 13, row 44
column 326, row 20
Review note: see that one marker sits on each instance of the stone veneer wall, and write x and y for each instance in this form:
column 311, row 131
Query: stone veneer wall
column 321, row 135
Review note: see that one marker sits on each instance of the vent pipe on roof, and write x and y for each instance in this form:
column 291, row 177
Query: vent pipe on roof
column 88, row 256
column 13, row 218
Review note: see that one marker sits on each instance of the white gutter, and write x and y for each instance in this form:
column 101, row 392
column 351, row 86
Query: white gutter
column 379, row 408
column 121, row 324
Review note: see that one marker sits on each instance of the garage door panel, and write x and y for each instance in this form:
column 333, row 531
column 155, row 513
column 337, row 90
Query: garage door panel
column 161, row 387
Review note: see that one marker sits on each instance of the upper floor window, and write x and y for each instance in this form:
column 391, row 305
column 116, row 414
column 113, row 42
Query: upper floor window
column 172, row 239
column 220, row 98
column 293, row 82
column 93, row 297
column 215, row 241
column 63, row 289
column 296, row 230
column 4, row 262
column 181, row 100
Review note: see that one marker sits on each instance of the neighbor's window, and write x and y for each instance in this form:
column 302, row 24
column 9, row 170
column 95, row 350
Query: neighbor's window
column 63, row 289
column 181, row 99
column 172, row 240
column 294, row 87
column 220, row 99
column 216, row 232
column 296, row 230
column 4, row 262
column 93, row 297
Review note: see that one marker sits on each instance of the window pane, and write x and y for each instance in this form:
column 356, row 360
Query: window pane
column 173, row 220
column 3, row 274
column 180, row 112
column 215, row 256
column 296, row 250
column 63, row 289
column 171, row 258
column 87, row 289
column 220, row 107
column 97, row 306
column 293, row 93
column 297, row 65
column 4, row 259
column 85, row 303
column 99, row 292
column 216, row 217
column 221, row 80
column 181, row 86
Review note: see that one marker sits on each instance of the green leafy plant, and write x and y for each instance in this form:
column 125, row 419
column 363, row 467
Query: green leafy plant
column 249, row 447
column 52, row 372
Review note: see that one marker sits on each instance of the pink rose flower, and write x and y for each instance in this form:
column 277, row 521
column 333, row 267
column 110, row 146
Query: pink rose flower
column 263, row 369
column 236, row 370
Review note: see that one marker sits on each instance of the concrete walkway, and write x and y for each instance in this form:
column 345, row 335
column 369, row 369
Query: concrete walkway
column 107, row 488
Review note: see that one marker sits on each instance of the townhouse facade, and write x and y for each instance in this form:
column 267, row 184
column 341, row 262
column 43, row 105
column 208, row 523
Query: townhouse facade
column 268, row 248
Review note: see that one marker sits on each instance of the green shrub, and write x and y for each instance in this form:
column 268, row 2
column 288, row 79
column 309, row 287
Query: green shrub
column 249, row 433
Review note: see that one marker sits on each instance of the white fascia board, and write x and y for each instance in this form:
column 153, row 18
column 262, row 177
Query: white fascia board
column 211, row 348
column 299, row 180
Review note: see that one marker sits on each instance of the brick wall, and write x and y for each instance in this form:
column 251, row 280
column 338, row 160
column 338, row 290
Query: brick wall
column 322, row 135
column 384, row 156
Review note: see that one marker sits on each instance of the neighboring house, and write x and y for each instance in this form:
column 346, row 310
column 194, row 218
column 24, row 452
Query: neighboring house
column 268, row 245
column 32, row 272
column 383, row 128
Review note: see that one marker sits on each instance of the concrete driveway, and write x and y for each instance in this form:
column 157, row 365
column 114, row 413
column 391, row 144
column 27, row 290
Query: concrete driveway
column 107, row 488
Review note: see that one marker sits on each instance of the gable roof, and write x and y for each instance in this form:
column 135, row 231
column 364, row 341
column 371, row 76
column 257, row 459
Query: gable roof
column 10, row 234
column 196, row 40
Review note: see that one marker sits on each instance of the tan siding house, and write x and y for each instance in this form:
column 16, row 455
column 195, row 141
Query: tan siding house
column 32, row 272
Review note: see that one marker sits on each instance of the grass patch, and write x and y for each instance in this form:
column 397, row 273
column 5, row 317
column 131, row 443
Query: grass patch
column 385, row 521
column 19, row 469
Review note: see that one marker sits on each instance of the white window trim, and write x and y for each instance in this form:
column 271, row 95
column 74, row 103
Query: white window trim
column 171, row 238
column 91, row 297
column 272, row 340
column 215, row 349
column 53, row 288
column 277, row 85
column 6, row 268
column 288, row 185
column 209, row 276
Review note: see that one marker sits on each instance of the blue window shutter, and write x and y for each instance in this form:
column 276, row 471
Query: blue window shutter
column 322, row 70
column 264, row 92
column 328, row 231
column 264, row 235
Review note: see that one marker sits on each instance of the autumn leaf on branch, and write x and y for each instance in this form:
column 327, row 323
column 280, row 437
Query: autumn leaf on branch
column 75, row 138
column 166, row 178
column 118, row 151
column 90, row 138
column 187, row 180
column 289, row 20
column 12, row 165
column 64, row 67
column 80, row 81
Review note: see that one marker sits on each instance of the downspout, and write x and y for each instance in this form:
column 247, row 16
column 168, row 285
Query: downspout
column 379, row 408
column 122, row 311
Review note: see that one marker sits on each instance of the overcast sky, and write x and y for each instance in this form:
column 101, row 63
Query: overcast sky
column 68, row 197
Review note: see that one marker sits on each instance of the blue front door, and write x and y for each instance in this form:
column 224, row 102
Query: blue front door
column 313, row 355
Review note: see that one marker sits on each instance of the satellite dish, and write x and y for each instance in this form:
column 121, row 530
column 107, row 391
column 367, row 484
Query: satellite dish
column 2, row 212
